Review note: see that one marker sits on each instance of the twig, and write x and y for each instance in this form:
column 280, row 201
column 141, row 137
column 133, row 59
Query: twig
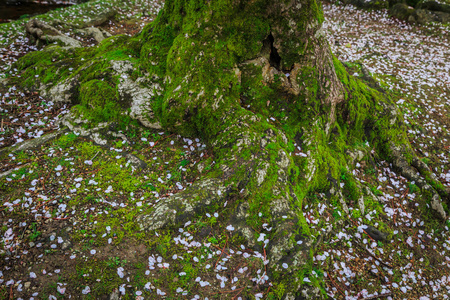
column 95, row 155
column 393, row 208
column 235, row 296
column 45, row 180
column 403, row 196
column 44, row 202
column 231, row 291
column 234, row 270
column 381, row 262
column 23, row 232
column 226, row 242
column 335, row 285
column 265, row 259
column 356, row 224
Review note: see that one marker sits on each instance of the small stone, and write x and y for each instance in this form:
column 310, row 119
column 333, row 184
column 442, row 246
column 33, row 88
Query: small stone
column 115, row 295
column 66, row 244
column 376, row 234
column 27, row 285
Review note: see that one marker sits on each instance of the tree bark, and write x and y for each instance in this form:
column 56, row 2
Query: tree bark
column 256, row 80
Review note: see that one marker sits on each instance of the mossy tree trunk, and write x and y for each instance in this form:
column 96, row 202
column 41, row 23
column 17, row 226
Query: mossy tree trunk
column 257, row 81
column 254, row 78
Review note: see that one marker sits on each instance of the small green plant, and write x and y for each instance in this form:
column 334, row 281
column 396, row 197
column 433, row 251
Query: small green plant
column 212, row 221
column 119, row 144
column 34, row 232
column 413, row 188
column 376, row 191
column 356, row 213
column 146, row 133
column 114, row 262
column 156, row 137
column 87, row 149
column 370, row 171
column 184, row 162
column 213, row 240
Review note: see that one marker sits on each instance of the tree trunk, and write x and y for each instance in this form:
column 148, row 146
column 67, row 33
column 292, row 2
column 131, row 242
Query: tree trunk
column 257, row 81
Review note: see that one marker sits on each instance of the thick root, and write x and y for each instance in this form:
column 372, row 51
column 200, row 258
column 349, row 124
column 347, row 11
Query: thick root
column 41, row 32
column 97, row 34
column 184, row 206
column 408, row 171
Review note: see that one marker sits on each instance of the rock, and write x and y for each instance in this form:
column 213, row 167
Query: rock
column 401, row 11
column 433, row 6
column 376, row 234
column 238, row 220
column 136, row 161
column 423, row 16
column 393, row 2
column 361, row 205
column 27, row 285
column 66, row 245
column 376, row 4
column 101, row 18
column 310, row 292
column 115, row 295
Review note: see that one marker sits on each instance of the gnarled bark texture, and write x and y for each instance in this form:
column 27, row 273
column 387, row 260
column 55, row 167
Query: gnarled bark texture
column 256, row 79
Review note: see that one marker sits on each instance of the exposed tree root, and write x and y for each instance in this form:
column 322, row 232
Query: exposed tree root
column 414, row 171
column 40, row 32
column 255, row 101
column 98, row 34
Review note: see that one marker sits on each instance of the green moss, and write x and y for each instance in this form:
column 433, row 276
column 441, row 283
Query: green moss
column 66, row 140
column 99, row 101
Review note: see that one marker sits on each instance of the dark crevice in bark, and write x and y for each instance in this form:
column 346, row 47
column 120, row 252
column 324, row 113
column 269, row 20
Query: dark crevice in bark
column 275, row 59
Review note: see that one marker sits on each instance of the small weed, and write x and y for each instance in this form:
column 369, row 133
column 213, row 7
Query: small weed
column 34, row 232
column 114, row 262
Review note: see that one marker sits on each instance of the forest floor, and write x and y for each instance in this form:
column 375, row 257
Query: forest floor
column 68, row 206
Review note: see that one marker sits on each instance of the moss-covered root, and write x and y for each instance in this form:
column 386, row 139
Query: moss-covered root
column 430, row 185
column 258, row 178
column 42, row 33
column 200, row 198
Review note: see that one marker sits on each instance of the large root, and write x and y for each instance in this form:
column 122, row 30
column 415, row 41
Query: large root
column 40, row 32
column 250, row 112
column 259, row 188
column 414, row 171
column 97, row 34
